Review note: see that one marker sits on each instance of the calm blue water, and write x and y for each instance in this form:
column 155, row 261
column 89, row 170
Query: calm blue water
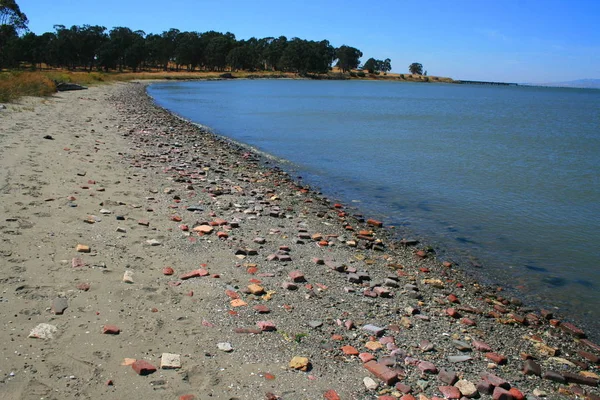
column 506, row 177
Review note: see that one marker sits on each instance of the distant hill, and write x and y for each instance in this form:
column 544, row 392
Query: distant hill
column 579, row 83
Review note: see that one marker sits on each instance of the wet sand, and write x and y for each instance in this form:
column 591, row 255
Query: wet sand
column 263, row 271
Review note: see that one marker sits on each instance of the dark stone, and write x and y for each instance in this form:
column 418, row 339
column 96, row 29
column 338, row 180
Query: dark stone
column 580, row 379
column 448, row 377
column 532, row 368
column 554, row 376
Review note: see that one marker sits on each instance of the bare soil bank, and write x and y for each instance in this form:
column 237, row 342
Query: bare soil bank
column 268, row 278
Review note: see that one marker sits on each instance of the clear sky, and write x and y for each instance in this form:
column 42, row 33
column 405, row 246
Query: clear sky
column 500, row 40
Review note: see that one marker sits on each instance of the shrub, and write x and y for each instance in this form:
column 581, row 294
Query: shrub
column 360, row 74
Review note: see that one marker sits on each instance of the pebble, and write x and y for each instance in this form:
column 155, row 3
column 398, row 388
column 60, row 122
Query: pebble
column 299, row 363
column 170, row 361
column 43, row 331
column 128, row 276
column 468, row 389
column 225, row 346
column 370, row 384
column 153, row 242
column 459, row 358
column 59, row 305
column 82, row 248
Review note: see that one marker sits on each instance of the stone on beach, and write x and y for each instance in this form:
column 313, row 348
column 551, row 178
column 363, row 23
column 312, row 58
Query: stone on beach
column 299, row 363
column 43, row 331
column 142, row 367
column 82, row 248
column 170, row 361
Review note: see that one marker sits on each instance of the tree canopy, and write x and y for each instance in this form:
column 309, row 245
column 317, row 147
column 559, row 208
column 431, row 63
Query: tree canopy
column 92, row 47
column 10, row 14
column 372, row 65
column 348, row 58
column 416, row 68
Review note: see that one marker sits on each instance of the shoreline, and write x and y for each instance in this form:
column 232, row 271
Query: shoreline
column 328, row 293
column 475, row 265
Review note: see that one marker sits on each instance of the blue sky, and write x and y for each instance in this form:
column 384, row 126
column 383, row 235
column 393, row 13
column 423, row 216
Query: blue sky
column 500, row 40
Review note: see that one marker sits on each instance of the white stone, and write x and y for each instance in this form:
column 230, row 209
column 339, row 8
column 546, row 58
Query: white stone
column 128, row 277
column 467, row 388
column 226, row 347
column 105, row 211
column 539, row 393
column 43, row 331
column 153, row 242
column 170, row 361
column 370, row 383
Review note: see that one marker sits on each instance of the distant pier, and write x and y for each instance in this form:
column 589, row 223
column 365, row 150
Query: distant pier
column 487, row 83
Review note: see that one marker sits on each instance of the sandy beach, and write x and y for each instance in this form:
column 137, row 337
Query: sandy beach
column 144, row 258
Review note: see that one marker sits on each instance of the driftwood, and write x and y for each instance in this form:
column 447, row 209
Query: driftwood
column 63, row 86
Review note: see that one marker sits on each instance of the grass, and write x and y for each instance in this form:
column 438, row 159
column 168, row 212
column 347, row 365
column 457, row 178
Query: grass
column 16, row 84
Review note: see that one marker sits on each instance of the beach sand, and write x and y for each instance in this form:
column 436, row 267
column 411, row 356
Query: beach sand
column 264, row 271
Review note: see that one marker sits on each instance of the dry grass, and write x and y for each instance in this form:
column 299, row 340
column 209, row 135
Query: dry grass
column 17, row 84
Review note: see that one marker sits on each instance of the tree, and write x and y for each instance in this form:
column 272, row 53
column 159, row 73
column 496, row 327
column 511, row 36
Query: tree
column 348, row 58
column 12, row 20
column 386, row 66
column 372, row 65
column 10, row 14
column 416, row 69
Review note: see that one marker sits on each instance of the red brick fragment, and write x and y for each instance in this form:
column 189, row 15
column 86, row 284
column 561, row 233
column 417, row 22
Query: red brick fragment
column 501, row 394
column 266, row 326
column 297, row 276
column 194, row 274
column 168, row 271
column 111, row 330
column 142, row 367
column 350, row 350
column 496, row 358
column 187, row 397
column 468, row 322
column 572, row 329
column 421, row 254
column 84, row 286
column 589, row 356
column 480, row 346
column 374, row 222
column 331, row 395
column 450, row 392
column 366, row 357
column 385, row 374
column 452, row 313
column 262, row 309
column 453, row 299
column 516, row 394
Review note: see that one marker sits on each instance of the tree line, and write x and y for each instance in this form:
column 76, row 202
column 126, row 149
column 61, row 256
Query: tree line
column 93, row 47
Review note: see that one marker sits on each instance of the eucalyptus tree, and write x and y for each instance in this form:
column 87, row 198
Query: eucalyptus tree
column 348, row 58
